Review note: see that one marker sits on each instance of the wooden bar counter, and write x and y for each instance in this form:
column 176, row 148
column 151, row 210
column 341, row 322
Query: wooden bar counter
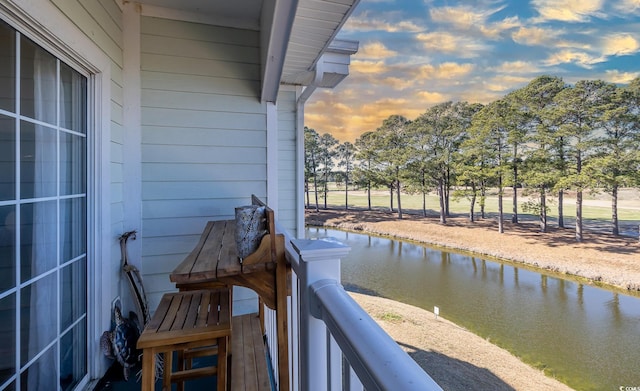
column 214, row 263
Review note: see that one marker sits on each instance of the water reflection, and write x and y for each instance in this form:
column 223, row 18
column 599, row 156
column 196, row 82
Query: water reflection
column 585, row 336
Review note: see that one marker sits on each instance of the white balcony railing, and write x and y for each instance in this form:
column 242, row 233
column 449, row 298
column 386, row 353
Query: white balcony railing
column 334, row 343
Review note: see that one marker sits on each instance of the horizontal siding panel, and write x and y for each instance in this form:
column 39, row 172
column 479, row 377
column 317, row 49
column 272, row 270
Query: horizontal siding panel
column 199, row 84
column 202, row 101
column 116, row 172
column 287, row 116
column 196, row 119
column 202, row 67
column 117, row 133
column 174, row 227
column 116, row 112
column 116, row 152
column 207, row 208
column 163, row 264
column 116, row 73
column 201, row 172
column 177, row 47
column 116, row 210
column 117, row 94
column 179, row 245
column 105, row 20
column 116, row 192
column 202, row 154
column 161, row 135
column 76, row 12
column 113, row 10
column 200, row 190
column 202, row 32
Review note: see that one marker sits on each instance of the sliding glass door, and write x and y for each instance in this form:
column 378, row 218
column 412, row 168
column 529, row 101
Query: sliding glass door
column 43, row 218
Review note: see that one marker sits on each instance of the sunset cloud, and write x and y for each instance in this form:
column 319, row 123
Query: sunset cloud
column 628, row 6
column 615, row 76
column 519, row 67
column 414, row 54
column 568, row 56
column 447, row 70
column 471, row 18
column 440, row 41
column 361, row 66
column 534, row 36
column 568, row 10
column 431, row 97
column 375, row 50
column 620, row 45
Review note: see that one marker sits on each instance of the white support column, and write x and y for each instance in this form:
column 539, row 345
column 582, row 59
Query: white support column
column 319, row 260
column 131, row 122
column 272, row 156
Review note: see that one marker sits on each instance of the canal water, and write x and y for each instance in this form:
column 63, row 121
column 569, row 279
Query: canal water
column 585, row 336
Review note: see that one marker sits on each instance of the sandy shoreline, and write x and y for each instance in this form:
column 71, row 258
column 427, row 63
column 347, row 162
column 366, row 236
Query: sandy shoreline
column 456, row 358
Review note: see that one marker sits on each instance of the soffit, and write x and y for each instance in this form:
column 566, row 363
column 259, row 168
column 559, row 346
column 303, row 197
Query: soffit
column 315, row 26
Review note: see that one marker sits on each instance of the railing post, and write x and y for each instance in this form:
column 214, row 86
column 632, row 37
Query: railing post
column 319, row 260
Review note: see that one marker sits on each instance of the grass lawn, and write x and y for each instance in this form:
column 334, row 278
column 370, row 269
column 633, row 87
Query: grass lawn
column 595, row 206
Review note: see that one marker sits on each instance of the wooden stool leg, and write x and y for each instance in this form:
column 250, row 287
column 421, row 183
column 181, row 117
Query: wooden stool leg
column 148, row 370
column 181, row 366
column 168, row 367
column 222, row 364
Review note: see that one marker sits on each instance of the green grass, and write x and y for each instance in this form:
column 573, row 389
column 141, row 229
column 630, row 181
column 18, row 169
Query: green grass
column 380, row 199
column 391, row 317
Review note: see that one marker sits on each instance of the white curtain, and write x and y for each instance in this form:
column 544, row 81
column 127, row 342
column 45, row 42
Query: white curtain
column 43, row 306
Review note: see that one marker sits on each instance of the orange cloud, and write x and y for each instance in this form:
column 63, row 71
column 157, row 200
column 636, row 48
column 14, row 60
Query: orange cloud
column 518, row 67
column 534, row 36
column 568, row 10
column 582, row 59
column 445, row 42
column 620, row 45
column 375, row 50
column 362, row 66
column 430, row 97
column 447, row 70
column 615, row 76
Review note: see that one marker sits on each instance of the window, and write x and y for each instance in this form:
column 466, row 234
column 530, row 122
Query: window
column 43, row 218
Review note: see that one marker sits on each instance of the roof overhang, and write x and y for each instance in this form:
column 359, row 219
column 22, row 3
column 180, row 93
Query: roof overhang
column 295, row 35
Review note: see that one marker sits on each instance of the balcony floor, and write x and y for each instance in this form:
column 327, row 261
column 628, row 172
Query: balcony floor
column 114, row 381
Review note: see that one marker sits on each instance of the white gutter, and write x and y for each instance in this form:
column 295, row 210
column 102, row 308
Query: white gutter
column 317, row 79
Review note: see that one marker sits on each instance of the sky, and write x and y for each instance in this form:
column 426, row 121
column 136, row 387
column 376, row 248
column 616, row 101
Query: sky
column 417, row 53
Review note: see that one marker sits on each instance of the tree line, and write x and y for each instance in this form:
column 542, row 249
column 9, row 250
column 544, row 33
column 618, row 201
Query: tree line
column 545, row 138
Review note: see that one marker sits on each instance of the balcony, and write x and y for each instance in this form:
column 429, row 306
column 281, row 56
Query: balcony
column 335, row 344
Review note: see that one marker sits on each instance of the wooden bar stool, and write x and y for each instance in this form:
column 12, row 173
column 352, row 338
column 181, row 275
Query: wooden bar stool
column 192, row 321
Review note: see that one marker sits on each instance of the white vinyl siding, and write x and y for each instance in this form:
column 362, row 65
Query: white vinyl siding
column 287, row 192
column 203, row 137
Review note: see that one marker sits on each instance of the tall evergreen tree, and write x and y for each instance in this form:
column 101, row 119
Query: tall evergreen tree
column 367, row 170
column 327, row 153
column 616, row 160
column 346, row 155
column 392, row 142
column 580, row 110
column 311, row 154
column 534, row 102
